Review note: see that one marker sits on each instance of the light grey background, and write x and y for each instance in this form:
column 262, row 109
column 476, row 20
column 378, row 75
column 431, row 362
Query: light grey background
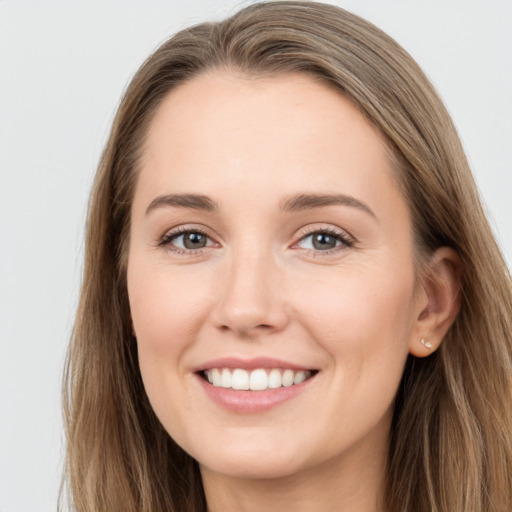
column 63, row 67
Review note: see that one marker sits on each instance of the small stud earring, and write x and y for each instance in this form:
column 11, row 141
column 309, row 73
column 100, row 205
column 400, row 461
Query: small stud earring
column 426, row 342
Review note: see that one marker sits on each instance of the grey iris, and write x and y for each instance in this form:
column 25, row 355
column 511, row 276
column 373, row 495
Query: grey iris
column 322, row 241
column 194, row 240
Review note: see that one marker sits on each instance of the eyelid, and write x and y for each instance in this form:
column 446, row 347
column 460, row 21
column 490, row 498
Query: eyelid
column 325, row 228
column 347, row 240
column 165, row 241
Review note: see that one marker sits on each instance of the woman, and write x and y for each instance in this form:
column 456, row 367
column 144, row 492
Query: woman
column 292, row 298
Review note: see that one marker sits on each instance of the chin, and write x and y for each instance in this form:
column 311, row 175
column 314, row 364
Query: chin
column 253, row 460
column 253, row 468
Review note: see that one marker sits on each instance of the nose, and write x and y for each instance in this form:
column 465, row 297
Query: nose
column 251, row 300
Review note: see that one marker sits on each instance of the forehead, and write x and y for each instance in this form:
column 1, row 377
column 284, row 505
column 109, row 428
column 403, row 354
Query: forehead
column 223, row 132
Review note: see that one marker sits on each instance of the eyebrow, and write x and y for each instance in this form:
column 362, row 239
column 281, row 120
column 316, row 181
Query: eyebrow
column 300, row 202
column 192, row 201
column 297, row 202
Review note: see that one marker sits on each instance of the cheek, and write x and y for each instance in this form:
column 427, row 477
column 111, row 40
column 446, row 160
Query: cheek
column 357, row 304
column 166, row 307
column 167, row 310
column 363, row 319
column 363, row 322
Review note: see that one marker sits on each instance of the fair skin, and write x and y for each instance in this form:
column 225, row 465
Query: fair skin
column 258, row 267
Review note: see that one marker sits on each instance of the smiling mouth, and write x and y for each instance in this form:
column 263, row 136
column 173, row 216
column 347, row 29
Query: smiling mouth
column 259, row 379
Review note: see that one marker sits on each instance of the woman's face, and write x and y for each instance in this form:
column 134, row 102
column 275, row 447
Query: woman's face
column 268, row 245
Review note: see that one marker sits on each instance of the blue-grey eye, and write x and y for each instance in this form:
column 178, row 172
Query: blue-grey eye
column 320, row 241
column 190, row 240
column 194, row 240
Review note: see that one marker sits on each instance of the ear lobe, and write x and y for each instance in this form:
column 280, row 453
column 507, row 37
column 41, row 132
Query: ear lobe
column 440, row 302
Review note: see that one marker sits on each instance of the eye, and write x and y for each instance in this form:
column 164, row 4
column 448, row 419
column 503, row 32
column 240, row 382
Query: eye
column 186, row 240
column 324, row 240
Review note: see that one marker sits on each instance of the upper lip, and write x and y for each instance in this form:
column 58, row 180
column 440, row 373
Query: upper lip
column 250, row 364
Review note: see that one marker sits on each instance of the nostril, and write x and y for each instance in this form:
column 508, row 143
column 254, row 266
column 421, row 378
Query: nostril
column 247, row 329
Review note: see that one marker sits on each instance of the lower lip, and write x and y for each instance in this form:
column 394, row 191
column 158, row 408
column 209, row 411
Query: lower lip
column 251, row 402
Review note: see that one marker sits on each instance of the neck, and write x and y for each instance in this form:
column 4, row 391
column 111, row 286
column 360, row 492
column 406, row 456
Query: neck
column 351, row 483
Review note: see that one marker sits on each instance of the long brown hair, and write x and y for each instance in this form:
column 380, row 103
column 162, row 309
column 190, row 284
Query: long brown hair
column 451, row 439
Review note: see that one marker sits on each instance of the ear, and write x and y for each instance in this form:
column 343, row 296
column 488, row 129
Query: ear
column 438, row 302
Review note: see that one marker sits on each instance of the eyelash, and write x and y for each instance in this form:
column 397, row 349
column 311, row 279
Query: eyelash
column 342, row 237
column 346, row 242
column 167, row 239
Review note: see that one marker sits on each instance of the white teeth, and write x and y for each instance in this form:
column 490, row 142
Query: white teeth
column 239, row 379
column 215, row 375
column 255, row 380
column 274, row 379
column 287, row 378
column 299, row 377
column 259, row 380
column 225, row 378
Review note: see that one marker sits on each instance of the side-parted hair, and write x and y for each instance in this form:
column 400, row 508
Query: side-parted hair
column 451, row 440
